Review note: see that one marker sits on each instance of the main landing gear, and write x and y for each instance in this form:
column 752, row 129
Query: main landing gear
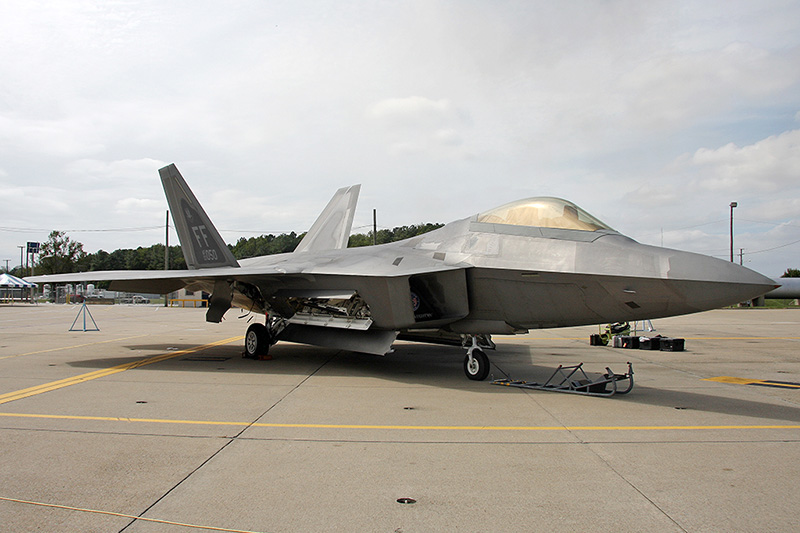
column 476, row 363
column 260, row 337
column 257, row 341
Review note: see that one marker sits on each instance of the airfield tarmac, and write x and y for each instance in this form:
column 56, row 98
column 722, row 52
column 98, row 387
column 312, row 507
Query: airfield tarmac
column 156, row 424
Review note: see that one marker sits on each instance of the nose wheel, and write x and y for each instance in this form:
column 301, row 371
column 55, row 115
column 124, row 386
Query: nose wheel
column 476, row 363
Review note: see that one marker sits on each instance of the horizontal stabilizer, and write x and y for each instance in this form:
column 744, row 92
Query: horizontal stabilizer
column 331, row 230
column 200, row 241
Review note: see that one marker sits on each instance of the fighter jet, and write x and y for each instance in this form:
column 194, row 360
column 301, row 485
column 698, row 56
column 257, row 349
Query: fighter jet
column 540, row 262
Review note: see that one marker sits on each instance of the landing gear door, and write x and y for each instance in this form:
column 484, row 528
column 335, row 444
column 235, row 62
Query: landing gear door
column 439, row 298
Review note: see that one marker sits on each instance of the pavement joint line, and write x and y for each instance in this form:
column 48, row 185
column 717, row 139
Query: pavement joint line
column 396, row 427
column 74, row 346
column 81, row 378
column 123, row 515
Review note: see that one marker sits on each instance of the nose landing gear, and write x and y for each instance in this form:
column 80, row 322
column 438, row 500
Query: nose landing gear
column 476, row 363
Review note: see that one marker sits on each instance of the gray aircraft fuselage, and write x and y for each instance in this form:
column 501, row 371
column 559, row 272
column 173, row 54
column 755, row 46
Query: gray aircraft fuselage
column 497, row 279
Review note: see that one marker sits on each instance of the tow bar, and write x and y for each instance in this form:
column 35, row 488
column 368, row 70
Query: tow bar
column 574, row 380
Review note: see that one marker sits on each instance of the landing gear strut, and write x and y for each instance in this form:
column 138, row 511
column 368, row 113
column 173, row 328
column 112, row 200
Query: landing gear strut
column 476, row 363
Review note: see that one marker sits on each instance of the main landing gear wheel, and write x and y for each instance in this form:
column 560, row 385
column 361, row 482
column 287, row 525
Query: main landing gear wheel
column 256, row 342
column 476, row 366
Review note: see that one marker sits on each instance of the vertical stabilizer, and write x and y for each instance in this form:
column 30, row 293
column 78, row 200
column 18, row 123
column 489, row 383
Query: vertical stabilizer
column 331, row 230
column 200, row 241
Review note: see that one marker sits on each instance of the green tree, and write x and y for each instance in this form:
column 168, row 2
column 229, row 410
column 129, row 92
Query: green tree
column 391, row 235
column 791, row 273
column 265, row 245
column 60, row 254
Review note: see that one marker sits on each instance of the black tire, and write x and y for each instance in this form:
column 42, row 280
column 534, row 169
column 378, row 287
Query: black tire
column 479, row 368
column 256, row 341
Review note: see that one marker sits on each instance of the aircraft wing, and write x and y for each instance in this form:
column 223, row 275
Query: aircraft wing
column 321, row 286
column 317, row 295
column 280, row 274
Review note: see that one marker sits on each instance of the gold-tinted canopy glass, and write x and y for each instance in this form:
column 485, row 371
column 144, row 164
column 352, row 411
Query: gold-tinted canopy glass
column 543, row 212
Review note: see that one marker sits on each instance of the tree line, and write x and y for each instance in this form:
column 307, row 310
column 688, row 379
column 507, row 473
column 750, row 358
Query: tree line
column 60, row 254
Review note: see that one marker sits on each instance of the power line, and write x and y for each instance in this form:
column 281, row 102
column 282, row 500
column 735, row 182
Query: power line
column 109, row 230
column 152, row 228
column 774, row 248
column 776, row 224
column 683, row 228
column 254, row 232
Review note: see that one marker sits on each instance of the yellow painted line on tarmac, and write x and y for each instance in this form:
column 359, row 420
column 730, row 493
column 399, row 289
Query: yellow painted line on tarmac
column 60, row 384
column 758, row 382
column 731, row 379
column 71, row 347
column 393, row 427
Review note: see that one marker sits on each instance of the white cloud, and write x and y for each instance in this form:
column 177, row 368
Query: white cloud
column 71, row 137
column 770, row 165
column 784, row 208
column 678, row 87
column 416, row 112
column 113, row 172
column 416, row 124
column 137, row 205
column 440, row 109
column 21, row 203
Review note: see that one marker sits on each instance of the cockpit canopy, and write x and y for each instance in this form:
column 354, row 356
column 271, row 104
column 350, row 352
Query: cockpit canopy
column 543, row 212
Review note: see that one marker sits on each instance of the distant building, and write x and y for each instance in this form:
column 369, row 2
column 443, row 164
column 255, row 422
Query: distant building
column 184, row 298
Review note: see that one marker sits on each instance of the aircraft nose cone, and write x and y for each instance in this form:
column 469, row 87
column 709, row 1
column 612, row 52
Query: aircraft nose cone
column 710, row 283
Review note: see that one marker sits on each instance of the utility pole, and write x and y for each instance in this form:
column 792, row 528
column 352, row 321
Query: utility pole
column 374, row 227
column 166, row 255
column 33, row 249
column 21, row 264
column 741, row 253
column 7, row 260
column 166, row 248
column 733, row 204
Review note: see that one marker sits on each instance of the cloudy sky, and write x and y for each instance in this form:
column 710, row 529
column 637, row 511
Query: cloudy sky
column 653, row 116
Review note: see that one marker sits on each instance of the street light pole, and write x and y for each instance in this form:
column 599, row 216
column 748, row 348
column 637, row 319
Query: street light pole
column 733, row 204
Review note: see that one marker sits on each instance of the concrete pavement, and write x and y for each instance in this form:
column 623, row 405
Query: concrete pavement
column 157, row 416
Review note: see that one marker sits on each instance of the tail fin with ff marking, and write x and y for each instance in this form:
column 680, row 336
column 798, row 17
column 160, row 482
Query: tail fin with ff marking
column 331, row 230
column 200, row 241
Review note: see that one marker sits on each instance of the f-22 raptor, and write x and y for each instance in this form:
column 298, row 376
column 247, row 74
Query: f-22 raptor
column 535, row 263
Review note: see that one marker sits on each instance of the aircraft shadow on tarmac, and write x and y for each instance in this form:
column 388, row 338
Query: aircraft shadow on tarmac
column 421, row 364
column 409, row 364
column 682, row 399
